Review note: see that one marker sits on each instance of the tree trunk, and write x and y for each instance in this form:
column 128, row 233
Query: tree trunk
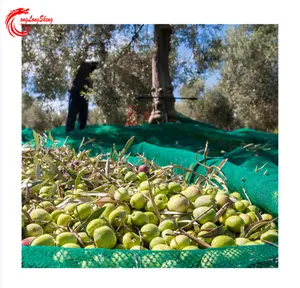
column 162, row 90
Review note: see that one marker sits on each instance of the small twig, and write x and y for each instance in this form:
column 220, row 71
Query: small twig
column 257, row 225
column 221, row 211
column 59, row 191
column 221, row 165
column 27, row 216
column 248, row 198
column 87, row 142
column 270, row 243
column 140, row 235
column 107, row 168
column 76, row 235
column 112, row 228
column 110, row 201
column 205, row 152
column 153, row 203
column 257, row 169
column 194, row 220
column 194, row 172
column 213, row 232
column 146, row 161
column 248, row 145
column 122, row 53
column 174, row 178
column 27, row 196
column 161, row 173
column 81, row 142
column 174, row 212
column 198, row 241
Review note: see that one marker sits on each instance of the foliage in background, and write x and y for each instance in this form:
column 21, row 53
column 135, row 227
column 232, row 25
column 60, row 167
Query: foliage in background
column 211, row 107
column 38, row 117
column 247, row 95
column 124, row 52
column 250, row 74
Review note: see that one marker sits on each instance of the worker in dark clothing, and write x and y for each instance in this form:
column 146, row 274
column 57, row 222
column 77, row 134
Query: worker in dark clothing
column 77, row 103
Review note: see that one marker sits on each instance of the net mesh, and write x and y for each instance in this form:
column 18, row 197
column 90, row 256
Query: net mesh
column 259, row 256
column 252, row 166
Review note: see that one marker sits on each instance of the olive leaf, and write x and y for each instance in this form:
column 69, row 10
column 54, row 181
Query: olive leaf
column 64, row 203
column 38, row 171
column 96, row 180
column 174, row 213
column 26, row 214
column 111, row 191
column 221, row 211
column 126, row 147
column 188, row 173
column 256, row 225
column 78, row 178
column 96, row 214
column 114, row 153
column 32, row 184
column 257, row 235
column 52, row 139
column 36, row 139
column 53, row 170
column 101, row 188
column 258, row 216
column 214, row 232
column 71, row 173
column 37, row 185
column 100, row 194
column 242, row 232
column 106, row 172
column 27, row 195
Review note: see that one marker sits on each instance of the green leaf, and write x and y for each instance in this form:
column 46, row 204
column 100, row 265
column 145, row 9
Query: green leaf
column 38, row 171
column 242, row 231
column 256, row 235
column 78, row 178
column 111, row 191
column 37, row 185
column 96, row 180
column 99, row 194
column 101, row 188
column 97, row 160
column 52, row 139
column 53, row 168
column 114, row 153
column 127, row 146
column 36, row 139
column 255, row 226
column 214, row 232
column 25, row 183
column 188, row 173
column 71, row 173
column 96, row 214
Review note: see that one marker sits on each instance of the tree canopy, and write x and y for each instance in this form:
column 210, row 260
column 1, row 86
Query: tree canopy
column 246, row 55
column 250, row 74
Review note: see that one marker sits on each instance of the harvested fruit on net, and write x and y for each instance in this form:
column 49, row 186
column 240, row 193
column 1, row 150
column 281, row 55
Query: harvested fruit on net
column 75, row 201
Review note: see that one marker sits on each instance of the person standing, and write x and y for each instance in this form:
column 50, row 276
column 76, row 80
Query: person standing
column 78, row 105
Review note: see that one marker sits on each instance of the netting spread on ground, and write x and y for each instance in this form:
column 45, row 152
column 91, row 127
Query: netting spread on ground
column 259, row 256
column 252, row 165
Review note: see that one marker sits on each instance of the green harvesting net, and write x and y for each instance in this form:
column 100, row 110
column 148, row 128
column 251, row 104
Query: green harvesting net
column 252, row 166
column 259, row 256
